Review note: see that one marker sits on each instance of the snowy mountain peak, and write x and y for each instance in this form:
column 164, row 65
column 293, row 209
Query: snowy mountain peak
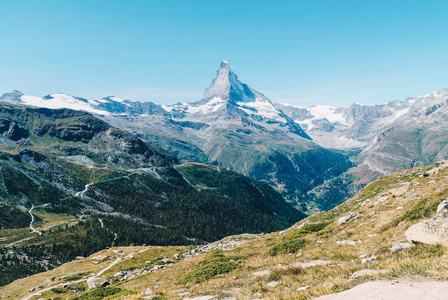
column 227, row 87
column 16, row 92
column 226, row 65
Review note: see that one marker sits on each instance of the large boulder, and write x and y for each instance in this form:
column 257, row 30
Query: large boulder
column 431, row 231
column 97, row 282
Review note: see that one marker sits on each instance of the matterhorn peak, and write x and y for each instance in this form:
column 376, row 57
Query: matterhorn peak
column 226, row 65
column 227, row 87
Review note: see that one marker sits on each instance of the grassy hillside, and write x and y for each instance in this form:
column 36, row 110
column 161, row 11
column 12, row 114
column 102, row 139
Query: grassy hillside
column 317, row 256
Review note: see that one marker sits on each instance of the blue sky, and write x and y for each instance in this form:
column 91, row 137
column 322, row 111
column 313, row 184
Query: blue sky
column 301, row 52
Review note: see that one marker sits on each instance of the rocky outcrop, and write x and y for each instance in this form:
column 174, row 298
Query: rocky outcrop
column 432, row 231
column 400, row 246
column 442, row 206
column 128, row 274
column 347, row 218
column 367, row 272
column 12, row 130
column 97, row 282
column 226, row 243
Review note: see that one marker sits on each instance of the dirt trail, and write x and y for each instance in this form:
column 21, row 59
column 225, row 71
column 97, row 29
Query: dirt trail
column 93, row 274
column 32, row 217
column 394, row 290
column 43, row 229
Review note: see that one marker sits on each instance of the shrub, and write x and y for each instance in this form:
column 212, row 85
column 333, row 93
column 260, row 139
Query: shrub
column 288, row 247
column 57, row 290
column 309, row 228
column 214, row 265
column 104, row 293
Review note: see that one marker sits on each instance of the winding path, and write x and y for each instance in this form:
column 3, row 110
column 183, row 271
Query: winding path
column 86, row 187
column 92, row 275
column 32, row 217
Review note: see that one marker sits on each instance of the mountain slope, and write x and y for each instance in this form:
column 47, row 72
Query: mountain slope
column 66, row 162
column 364, row 239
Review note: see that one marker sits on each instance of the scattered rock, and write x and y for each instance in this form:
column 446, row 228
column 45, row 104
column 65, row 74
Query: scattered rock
column 67, row 284
column 32, row 290
column 119, row 274
column 117, row 251
column 273, row 284
column 303, row 288
column 80, row 257
column 97, row 282
column 401, row 189
column 176, row 256
column 157, row 267
column 301, row 225
column 400, row 246
column 226, row 243
column 344, row 220
column 208, row 297
column 348, row 243
column 372, row 235
column 442, row 163
column 367, row 272
column 262, row 273
column 443, row 205
column 309, row 264
column 371, row 259
column 148, row 291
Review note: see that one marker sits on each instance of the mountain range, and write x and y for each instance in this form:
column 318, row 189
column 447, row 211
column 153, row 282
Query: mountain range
column 79, row 175
column 233, row 126
column 316, row 157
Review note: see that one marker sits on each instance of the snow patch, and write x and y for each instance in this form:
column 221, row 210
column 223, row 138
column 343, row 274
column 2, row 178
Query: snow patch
column 57, row 101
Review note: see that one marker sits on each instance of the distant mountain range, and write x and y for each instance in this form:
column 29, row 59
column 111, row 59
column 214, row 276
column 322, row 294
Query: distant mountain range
column 316, row 157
